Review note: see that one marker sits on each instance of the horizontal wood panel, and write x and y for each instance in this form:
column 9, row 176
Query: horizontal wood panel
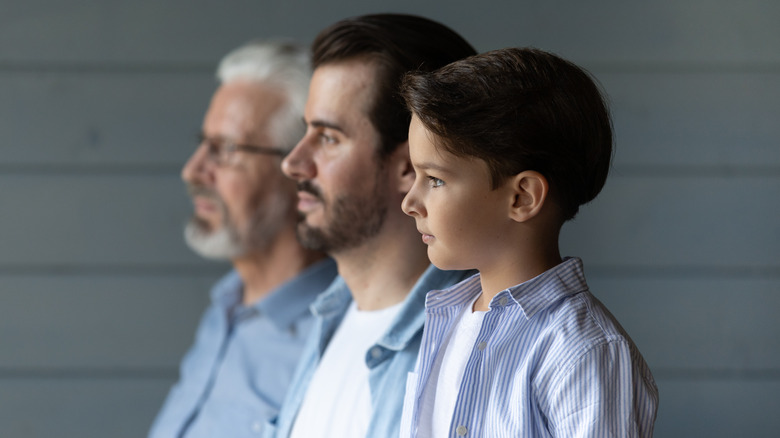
column 66, row 322
column 690, row 325
column 697, row 325
column 726, row 120
column 673, row 222
column 72, row 220
column 723, row 120
column 179, row 31
column 94, row 119
column 80, row 407
column 679, row 222
column 666, row 32
column 126, row 408
column 718, row 409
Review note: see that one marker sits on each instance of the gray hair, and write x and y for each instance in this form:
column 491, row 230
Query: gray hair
column 283, row 64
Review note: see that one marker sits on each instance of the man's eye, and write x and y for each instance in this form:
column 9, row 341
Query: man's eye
column 213, row 148
column 327, row 139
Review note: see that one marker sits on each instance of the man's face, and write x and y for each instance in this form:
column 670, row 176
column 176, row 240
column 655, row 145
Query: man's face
column 240, row 205
column 342, row 185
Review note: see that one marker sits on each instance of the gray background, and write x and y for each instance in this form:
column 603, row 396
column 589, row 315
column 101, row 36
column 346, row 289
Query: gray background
column 100, row 101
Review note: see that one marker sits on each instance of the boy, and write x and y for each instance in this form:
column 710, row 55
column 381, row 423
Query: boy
column 506, row 146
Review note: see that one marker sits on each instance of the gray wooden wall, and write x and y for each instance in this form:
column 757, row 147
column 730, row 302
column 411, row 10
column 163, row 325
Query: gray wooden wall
column 100, row 100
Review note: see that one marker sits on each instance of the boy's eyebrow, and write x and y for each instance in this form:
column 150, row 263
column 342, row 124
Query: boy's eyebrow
column 429, row 165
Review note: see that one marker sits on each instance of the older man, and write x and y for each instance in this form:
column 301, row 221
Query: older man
column 236, row 374
column 353, row 170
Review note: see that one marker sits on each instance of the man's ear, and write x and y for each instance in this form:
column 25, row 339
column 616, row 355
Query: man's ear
column 529, row 190
column 402, row 167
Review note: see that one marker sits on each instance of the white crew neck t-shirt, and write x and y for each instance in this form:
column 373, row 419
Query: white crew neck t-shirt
column 338, row 401
column 438, row 401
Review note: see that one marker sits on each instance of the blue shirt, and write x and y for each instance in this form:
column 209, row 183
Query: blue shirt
column 235, row 376
column 549, row 361
column 389, row 360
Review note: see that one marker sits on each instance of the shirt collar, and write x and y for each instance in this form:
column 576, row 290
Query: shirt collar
column 335, row 301
column 566, row 279
column 411, row 317
column 287, row 302
column 457, row 295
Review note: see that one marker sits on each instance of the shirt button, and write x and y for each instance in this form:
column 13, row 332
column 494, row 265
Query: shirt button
column 376, row 352
column 502, row 301
column 482, row 345
column 461, row 430
column 257, row 427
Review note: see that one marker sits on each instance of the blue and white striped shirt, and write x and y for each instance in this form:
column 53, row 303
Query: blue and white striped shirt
column 549, row 361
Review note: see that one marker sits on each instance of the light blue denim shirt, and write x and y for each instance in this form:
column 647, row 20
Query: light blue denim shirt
column 389, row 360
column 235, row 376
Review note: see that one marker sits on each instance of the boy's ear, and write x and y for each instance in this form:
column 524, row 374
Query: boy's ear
column 529, row 190
column 402, row 167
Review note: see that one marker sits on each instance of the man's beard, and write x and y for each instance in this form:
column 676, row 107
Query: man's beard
column 352, row 219
column 228, row 242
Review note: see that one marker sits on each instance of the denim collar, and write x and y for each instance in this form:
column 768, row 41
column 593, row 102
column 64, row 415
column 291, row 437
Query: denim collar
column 333, row 303
column 283, row 305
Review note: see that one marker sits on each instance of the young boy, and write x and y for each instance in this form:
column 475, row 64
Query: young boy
column 506, row 146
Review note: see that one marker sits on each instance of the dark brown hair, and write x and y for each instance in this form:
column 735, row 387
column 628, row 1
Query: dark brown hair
column 397, row 44
column 520, row 109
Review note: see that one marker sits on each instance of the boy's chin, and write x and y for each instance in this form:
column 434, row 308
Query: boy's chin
column 446, row 263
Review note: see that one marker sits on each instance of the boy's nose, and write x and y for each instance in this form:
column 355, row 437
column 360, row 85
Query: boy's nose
column 410, row 205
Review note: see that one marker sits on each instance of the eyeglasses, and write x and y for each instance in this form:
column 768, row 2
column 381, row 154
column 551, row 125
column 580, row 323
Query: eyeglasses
column 223, row 152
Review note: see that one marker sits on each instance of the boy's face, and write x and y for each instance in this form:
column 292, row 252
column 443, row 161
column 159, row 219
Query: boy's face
column 460, row 218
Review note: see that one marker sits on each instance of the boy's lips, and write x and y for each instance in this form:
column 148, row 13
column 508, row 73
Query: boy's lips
column 426, row 238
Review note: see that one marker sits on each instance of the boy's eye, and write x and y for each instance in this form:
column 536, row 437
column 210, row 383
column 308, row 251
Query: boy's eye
column 435, row 182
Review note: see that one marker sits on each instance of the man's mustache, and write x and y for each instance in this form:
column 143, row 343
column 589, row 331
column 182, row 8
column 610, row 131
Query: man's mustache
column 308, row 187
column 200, row 191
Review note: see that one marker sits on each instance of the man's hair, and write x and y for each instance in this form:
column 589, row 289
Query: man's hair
column 282, row 64
column 396, row 44
column 520, row 109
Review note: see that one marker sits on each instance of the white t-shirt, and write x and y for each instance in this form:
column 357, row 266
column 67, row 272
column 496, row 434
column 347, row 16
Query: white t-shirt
column 441, row 393
column 338, row 401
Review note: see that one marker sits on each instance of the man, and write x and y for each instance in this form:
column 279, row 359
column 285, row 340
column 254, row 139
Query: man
column 235, row 375
column 353, row 170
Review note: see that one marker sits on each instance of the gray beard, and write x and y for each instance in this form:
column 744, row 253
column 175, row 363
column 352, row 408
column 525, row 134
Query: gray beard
column 221, row 244
column 228, row 242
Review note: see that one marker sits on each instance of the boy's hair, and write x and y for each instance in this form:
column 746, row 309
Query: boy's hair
column 520, row 109
column 397, row 44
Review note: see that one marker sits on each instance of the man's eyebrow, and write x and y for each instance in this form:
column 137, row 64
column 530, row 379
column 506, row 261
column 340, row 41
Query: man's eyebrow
column 325, row 124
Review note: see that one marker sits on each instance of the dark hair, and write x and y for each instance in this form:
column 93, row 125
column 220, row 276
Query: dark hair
column 520, row 109
column 397, row 44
